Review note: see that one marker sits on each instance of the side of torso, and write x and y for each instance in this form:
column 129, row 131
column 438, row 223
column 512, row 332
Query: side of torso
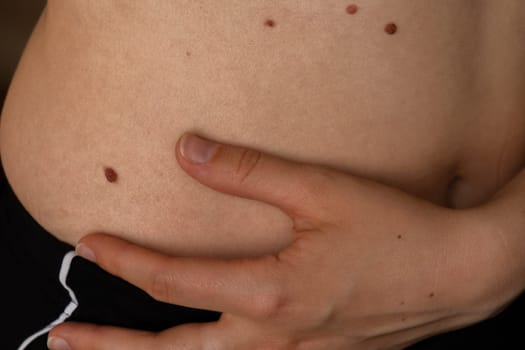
column 436, row 108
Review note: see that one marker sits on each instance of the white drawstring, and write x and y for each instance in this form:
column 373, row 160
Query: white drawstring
column 70, row 308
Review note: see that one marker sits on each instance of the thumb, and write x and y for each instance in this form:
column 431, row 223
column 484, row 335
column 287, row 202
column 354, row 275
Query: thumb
column 296, row 188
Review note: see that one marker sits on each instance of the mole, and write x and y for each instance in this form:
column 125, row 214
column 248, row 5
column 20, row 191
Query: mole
column 399, row 237
column 352, row 9
column 111, row 174
column 431, row 295
column 391, row 28
column 269, row 23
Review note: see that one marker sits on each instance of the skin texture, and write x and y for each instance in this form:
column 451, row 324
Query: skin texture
column 434, row 263
column 115, row 83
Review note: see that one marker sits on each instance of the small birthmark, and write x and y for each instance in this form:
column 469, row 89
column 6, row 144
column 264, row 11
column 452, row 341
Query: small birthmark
column 391, row 28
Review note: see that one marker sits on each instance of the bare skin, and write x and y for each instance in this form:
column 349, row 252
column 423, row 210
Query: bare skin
column 108, row 84
column 432, row 107
column 371, row 267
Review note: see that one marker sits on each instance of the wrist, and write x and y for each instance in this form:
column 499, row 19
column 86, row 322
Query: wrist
column 497, row 228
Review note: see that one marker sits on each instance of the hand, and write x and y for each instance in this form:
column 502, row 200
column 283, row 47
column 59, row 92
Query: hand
column 371, row 267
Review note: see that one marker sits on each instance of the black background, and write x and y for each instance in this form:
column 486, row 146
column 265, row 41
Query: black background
column 17, row 20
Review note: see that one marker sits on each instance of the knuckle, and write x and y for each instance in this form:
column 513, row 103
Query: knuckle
column 160, row 287
column 247, row 164
column 270, row 305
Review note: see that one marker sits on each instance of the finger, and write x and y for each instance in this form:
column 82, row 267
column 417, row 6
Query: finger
column 86, row 336
column 243, row 287
column 79, row 336
column 296, row 188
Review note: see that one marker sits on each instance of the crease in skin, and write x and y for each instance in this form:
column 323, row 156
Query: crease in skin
column 438, row 264
column 367, row 165
column 504, row 240
column 501, row 157
column 504, row 243
column 401, row 327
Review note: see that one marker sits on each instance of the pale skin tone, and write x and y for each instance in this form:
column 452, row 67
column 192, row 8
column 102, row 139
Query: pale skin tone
column 382, row 267
column 431, row 116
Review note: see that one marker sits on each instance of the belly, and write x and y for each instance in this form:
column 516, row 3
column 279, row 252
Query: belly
column 115, row 86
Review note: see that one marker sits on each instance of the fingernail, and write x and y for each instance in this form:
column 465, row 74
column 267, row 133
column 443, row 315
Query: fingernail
column 196, row 149
column 85, row 252
column 54, row 343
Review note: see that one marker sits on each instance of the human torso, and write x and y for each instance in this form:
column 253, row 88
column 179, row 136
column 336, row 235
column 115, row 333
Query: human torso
column 436, row 108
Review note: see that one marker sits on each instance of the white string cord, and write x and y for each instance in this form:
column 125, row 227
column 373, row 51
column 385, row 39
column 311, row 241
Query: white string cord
column 70, row 308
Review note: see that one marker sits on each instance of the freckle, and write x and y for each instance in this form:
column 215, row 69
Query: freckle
column 391, row 28
column 352, row 9
column 269, row 23
column 431, row 295
column 111, row 175
column 402, row 303
column 403, row 319
column 188, row 53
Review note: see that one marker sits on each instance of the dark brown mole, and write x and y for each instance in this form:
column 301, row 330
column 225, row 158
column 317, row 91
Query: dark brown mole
column 269, row 23
column 431, row 295
column 111, row 174
column 352, row 9
column 399, row 236
column 391, row 28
